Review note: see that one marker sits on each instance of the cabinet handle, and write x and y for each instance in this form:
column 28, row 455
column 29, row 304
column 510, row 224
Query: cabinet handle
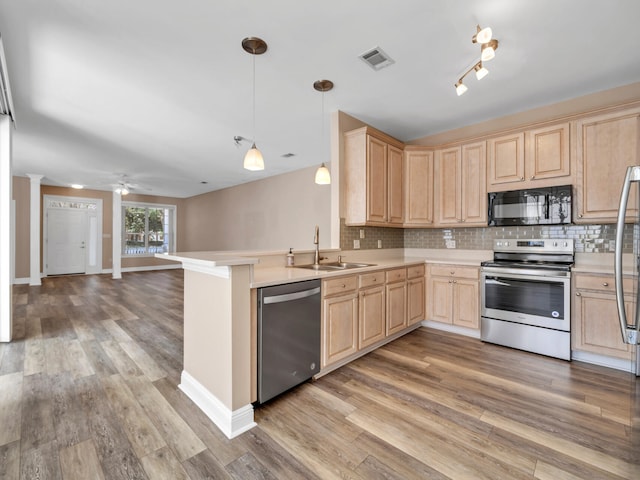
column 532, row 177
column 452, row 272
column 455, row 281
column 344, row 286
column 577, row 294
column 579, row 215
column 605, row 284
column 522, row 179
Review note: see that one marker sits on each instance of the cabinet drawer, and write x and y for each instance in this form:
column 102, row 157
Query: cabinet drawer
column 415, row 271
column 338, row 285
column 396, row 275
column 454, row 271
column 371, row 279
column 603, row 283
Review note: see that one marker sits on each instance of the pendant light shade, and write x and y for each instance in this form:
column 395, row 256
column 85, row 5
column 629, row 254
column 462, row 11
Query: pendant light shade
column 253, row 159
column 323, row 176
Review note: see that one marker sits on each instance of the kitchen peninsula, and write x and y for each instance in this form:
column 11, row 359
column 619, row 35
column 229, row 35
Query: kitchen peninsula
column 219, row 322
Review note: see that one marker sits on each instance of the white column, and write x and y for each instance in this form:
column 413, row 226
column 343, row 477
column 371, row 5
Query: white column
column 34, row 230
column 116, row 235
column 6, row 235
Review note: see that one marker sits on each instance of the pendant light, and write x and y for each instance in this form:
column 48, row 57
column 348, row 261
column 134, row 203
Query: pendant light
column 253, row 159
column 323, row 176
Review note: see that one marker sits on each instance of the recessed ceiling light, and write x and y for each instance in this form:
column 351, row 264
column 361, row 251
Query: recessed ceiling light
column 203, row 182
column 77, row 186
column 288, row 155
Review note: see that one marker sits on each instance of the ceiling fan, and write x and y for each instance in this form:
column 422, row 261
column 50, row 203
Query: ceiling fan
column 124, row 187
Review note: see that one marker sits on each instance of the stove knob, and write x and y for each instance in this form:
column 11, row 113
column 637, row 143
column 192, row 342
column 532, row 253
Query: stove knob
column 506, row 244
column 555, row 244
column 566, row 244
column 498, row 244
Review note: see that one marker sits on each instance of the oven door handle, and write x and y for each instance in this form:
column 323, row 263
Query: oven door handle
column 629, row 331
column 493, row 281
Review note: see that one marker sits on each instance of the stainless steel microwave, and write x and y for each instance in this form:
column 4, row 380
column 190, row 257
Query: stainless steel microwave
column 534, row 206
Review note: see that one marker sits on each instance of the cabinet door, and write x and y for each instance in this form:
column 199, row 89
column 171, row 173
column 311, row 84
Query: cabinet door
column 395, row 180
column 506, row 160
column 376, row 180
column 466, row 311
column 548, row 153
column 396, row 299
column 340, row 328
column 418, row 188
column 474, row 184
column 448, row 181
column 371, row 313
column 440, row 299
column 606, row 146
column 596, row 327
column 415, row 300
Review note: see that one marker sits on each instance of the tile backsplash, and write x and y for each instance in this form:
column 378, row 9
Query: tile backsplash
column 587, row 238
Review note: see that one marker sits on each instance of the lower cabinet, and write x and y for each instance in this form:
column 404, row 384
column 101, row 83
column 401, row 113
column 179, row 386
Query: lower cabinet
column 339, row 319
column 415, row 294
column 595, row 326
column 359, row 311
column 454, row 293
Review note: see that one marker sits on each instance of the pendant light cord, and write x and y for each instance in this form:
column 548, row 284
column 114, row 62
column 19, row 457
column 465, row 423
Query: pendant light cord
column 254, row 99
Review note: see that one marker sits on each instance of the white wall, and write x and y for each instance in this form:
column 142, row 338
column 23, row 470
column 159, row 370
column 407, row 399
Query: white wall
column 270, row 214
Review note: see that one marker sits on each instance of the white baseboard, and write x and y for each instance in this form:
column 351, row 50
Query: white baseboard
column 602, row 360
column 21, row 281
column 468, row 332
column 232, row 423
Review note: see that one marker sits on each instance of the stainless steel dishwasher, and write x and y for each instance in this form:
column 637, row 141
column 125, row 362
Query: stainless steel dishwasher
column 288, row 336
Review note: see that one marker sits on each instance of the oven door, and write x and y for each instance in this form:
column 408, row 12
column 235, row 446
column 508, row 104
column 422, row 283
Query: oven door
column 541, row 300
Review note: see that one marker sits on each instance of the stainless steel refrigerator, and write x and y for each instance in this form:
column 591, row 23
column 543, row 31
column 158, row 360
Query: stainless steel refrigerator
column 630, row 319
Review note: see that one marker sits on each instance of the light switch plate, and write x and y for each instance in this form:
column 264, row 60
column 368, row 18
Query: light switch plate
column 379, row 243
column 356, row 244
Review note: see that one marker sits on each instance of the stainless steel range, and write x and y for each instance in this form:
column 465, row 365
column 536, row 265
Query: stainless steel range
column 525, row 295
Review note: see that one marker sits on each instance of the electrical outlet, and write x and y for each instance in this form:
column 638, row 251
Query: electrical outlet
column 379, row 243
column 356, row 244
column 362, row 233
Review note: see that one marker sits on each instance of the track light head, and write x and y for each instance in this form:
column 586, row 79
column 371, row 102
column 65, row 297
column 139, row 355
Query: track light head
column 483, row 35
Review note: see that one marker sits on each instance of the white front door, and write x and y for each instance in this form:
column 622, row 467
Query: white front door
column 66, row 242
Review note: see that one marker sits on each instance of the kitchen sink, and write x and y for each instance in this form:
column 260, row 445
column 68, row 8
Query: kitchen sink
column 333, row 266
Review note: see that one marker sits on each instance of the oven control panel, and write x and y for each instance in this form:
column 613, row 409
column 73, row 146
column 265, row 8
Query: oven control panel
column 534, row 245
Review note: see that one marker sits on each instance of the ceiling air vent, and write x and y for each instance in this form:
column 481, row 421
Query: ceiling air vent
column 376, row 58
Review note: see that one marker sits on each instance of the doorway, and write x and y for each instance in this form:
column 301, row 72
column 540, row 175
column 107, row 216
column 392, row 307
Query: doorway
column 72, row 240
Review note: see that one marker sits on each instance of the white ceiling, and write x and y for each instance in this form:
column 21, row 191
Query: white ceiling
column 157, row 89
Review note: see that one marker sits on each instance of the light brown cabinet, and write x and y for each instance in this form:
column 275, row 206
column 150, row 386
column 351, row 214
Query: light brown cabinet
column 371, row 309
column 396, row 300
column 339, row 319
column 535, row 157
column 373, row 169
column 606, row 145
column 595, row 316
column 453, row 295
column 418, row 188
column 416, row 293
column 460, row 178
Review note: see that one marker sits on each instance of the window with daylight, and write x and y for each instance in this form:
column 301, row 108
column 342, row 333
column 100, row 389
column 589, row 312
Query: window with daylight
column 148, row 229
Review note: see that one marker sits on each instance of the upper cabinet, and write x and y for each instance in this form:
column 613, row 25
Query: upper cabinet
column 418, row 188
column 528, row 159
column 460, row 181
column 605, row 146
column 373, row 178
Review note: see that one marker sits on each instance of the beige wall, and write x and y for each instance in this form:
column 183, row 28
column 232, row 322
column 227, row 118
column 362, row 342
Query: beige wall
column 548, row 113
column 21, row 195
column 272, row 214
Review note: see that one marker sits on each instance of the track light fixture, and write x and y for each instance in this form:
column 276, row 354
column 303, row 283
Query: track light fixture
column 488, row 47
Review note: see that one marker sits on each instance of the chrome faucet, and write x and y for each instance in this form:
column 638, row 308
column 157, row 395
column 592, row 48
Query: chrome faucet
column 316, row 241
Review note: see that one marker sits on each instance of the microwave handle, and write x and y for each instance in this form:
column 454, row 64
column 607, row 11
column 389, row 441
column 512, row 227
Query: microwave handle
column 492, row 197
column 547, row 206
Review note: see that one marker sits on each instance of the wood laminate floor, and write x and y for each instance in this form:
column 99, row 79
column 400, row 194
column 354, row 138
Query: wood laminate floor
column 88, row 390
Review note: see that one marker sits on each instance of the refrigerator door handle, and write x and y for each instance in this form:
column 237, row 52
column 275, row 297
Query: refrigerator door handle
column 629, row 333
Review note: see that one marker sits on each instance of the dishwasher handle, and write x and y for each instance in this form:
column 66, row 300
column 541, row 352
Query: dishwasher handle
column 287, row 297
